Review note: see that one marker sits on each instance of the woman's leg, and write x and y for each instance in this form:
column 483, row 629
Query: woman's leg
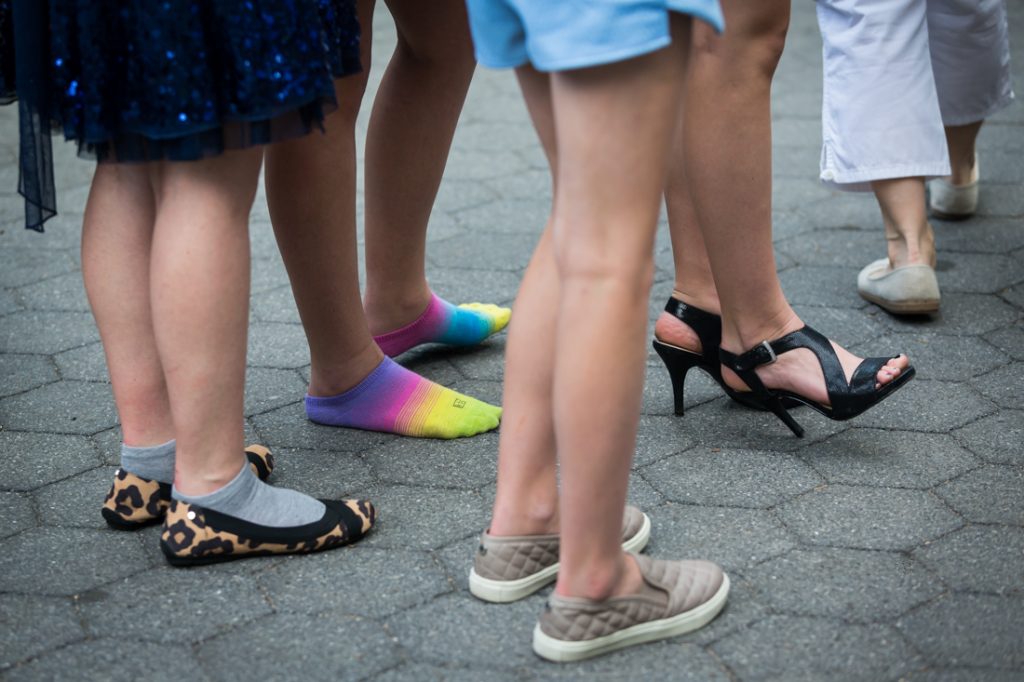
column 613, row 127
column 526, row 502
column 116, row 238
column 311, row 185
column 908, row 234
column 727, row 138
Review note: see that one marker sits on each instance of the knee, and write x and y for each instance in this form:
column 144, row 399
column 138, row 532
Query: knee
column 453, row 56
column 751, row 46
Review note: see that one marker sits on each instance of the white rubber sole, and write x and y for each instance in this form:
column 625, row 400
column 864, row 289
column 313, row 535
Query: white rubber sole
column 505, row 591
column 561, row 651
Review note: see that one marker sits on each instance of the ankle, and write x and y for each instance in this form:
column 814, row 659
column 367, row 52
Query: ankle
column 393, row 307
column 912, row 246
column 704, row 297
column 743, row 333
column 208, row 479
column 537, row 517
column 600, row 580
column 963, row 170
column 328, row 380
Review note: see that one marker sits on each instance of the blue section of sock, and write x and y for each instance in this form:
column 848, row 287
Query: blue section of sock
column 465, row 327
column 248, row 498
column 155, row 462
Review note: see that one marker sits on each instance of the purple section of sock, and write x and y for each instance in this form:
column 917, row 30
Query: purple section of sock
column 424, row 329
column 373, row 404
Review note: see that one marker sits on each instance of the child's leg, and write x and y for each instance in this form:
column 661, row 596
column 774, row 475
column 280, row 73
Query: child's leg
column 411, row 128
column 311, row 194
column 199, row 283
column 526, row 502
column 116, row 237
column 613, row 126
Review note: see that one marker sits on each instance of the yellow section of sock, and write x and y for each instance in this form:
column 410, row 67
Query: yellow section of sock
column 434, row 411
column 498, row 316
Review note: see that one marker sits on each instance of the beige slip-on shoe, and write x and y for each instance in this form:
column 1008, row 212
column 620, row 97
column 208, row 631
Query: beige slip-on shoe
column 677, row 597
column 908, row 290
column 506, row 569
column 954, row 202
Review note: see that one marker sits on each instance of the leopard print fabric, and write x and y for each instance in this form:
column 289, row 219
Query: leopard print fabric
column 189, row 539
column 134, row 501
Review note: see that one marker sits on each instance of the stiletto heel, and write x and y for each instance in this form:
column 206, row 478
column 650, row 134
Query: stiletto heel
column 847, row 399
column 678, row 362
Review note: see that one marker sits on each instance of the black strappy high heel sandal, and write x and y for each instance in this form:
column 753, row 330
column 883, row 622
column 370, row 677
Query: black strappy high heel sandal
column 847, row 399
column 679, row 361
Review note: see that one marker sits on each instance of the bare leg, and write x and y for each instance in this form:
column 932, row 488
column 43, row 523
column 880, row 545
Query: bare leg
column 411, row 128
column 960, row 140
column 727, row 138
column 200, row 301
column 611, row 173
column 907, row 232
column 526, row 502
column 116, row 237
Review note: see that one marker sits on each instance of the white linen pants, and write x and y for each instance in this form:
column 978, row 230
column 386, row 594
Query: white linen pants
column 896, row 72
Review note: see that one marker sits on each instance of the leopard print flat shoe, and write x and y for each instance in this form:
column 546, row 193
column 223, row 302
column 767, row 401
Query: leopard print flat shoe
column 135, row 502
column 195, row 536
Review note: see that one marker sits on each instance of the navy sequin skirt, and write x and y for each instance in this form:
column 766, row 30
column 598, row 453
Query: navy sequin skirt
column 147, row 80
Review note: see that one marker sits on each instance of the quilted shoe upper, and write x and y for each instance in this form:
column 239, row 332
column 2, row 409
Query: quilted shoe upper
column 670, row 588
column 515, row 557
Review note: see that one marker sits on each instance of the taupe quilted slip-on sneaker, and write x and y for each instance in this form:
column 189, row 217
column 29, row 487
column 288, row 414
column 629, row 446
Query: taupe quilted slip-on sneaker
column 677, row 597
column 507, row 569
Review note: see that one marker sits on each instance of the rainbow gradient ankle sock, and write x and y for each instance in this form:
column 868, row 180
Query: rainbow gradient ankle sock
column 394, row 400
column 464, row 325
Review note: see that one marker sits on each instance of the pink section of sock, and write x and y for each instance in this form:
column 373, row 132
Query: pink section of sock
column 423, row 329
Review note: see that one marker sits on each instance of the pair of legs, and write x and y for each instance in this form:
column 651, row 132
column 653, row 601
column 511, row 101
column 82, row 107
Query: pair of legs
column 165, row 258
column 311, row 193
column 575, row 369
column 722, row 247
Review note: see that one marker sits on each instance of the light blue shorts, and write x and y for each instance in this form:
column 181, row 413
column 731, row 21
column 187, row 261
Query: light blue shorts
column 557, row 35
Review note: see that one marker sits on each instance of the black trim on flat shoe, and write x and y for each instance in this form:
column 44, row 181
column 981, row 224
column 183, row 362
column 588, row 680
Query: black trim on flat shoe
column 196, row 536
column 847, row 399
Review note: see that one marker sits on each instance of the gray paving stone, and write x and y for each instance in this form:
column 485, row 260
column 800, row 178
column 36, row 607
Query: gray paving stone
column 534, row 184
column 1004, row 386
column 418, row 672
column 486, row 363
column 506, row 216
column 822, row 286
column 108, row 444
column 658, row 437
column 800, row 648
column 469, row 463
column 996, row 438
column 459, row 194
column 64, row 292
column 97, row 557
column 457, row 628
column 112, row 660
column 424, row 518
column 901, row 459
column 61, row 407
column 19, row 373
column 275, row 305
column 483, row 251
column 673, row 659
column 75, row 502
column 735, row 478
column 1009, row 340
column 726, row 424
column 267, row 389
column 272, row 344
column 969, row 630
column 657, row 392
column 868, row 518
column 964, row 675
column 733, row 538
column 1000, row 200
column 433, row 361
column 47, row 332
column 979, row 235
column 32, row 625
column 481, row 164
column 960, row 314
column 328, row 646
column 321, row 473
column 945, row 357
column 845, row 248
column 978, row 559
column 32, row 460
column 862, row 586
column 20, row 266
column 267, row 274
column 950, row 405
column 977, row 273
column 8, row 302
column 16, row 510
column 385, row 581
column 150, row 606
column 1014, row 295
column 86, row 363
column 288, row 427
column 991, row 494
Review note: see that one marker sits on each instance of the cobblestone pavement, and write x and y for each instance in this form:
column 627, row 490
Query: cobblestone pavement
column 888, row 548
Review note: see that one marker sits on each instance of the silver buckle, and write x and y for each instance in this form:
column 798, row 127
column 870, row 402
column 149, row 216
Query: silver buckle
column 771, row 352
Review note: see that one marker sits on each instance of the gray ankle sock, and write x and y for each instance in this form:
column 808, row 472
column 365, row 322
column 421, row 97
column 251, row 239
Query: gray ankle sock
column 248, row 498
column 155, row 463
